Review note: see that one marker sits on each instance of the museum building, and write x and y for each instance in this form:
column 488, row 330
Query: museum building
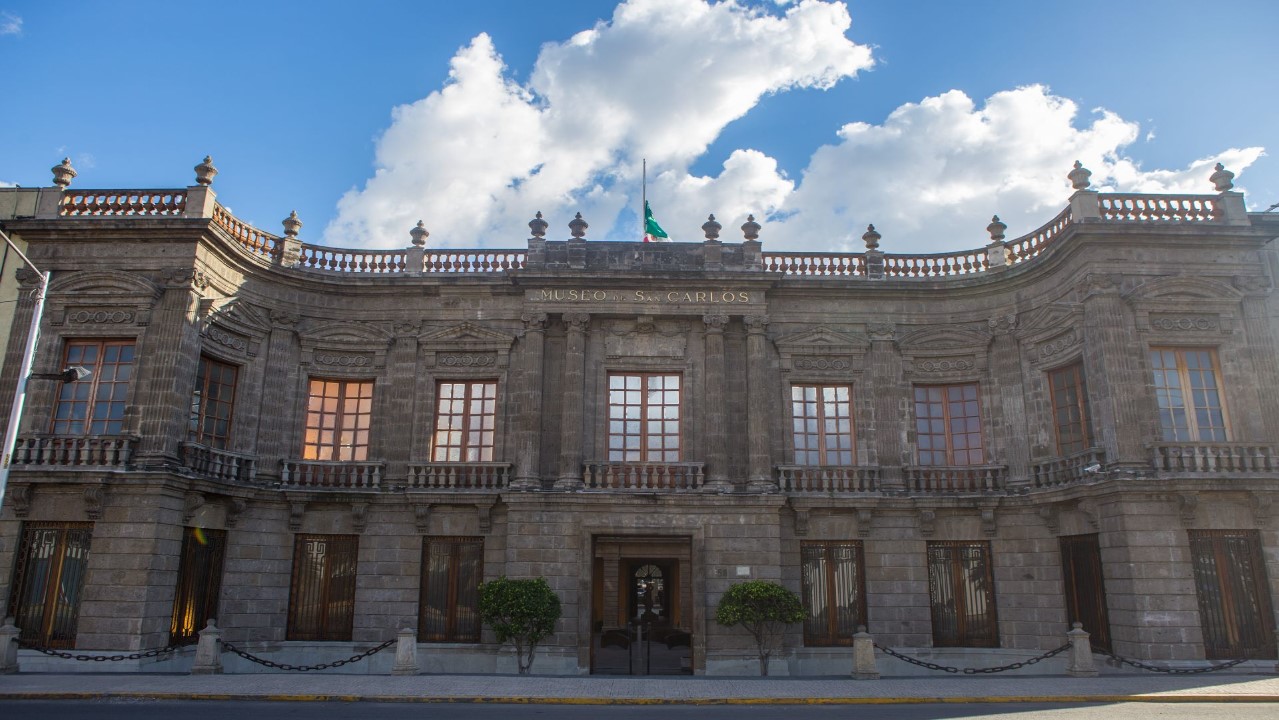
column 965, row 452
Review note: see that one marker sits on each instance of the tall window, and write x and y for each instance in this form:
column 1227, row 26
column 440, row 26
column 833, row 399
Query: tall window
column 643, row 418
column 95, row 405
column 948, row 425
column 1085, row 587
column 834, row 590
column 211, row 403
column 465, row 415
column 1234, row 597
column 322, row 595
column 195, row 600
column 1070, row 409
column 452, row 569
column 961, row 587
column 823, row 423
column 48, row 581
column 337, row 420
column 1189, row 396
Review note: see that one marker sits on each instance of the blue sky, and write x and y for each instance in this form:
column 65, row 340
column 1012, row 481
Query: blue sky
column 949, row 111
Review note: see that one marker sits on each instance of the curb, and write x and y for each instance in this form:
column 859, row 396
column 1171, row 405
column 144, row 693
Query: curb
column 515, row 700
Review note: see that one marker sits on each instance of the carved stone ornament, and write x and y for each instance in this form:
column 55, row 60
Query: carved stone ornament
column 422, row 517
column 297, row 508
column 927, row 522
column 864, row 517
column 285, row 320
column 1003, row 323
column 19, row 500
column 467, row 360
column 755, row 324
column 409, row 328
column 715, row 323
column 100, row 317
column 359, row 516
column 226, row 339
column 484, row 512
column 1202, row 323
column 988, row 524
column 881, row 331
column 1187, row 507
column 822, row 363
column 1095, row 283
column 343, row 360
column 191, row 503
column 93, row 498
column 1051, row 515
column 235, row 507
column 1065, row 341
column 1262, row 508
column 1252, row 283
column 577, row 322
column 186, row 277
column 801, row 523
column 26, row 277
column 534, row 321
column 1089, row 509
column 941, row 365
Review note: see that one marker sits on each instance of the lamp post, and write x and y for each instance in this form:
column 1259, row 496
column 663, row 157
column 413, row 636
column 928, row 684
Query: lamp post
column 24, row 371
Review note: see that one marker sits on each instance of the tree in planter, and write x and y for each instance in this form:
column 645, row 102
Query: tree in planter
column 765, row 609
column 522, row 611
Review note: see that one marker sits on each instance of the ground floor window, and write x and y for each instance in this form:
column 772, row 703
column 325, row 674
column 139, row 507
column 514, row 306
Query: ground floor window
column 48, row 582
column 1234, row 599
column 452, row 569
column 961, row 587
column 322, row 594
column 195, row 600
column 1085, row 588
column 834, row 591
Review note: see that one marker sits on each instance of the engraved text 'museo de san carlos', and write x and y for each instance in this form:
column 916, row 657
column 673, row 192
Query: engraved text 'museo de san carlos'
column 665, row 296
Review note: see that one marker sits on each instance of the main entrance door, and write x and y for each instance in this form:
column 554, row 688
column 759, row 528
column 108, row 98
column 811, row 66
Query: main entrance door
column 641, row 597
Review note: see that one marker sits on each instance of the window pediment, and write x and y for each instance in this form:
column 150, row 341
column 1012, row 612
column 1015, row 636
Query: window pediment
column 823, row 351
column 467, row 345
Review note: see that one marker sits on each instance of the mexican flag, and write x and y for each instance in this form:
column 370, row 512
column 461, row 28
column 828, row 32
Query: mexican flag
column 652, row 231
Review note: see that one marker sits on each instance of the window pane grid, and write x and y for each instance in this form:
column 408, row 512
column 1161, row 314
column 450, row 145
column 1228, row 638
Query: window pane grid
column 823, row 424
column 948, row 425
column 96, row 404
column 1070, row 409
column 212, row 403
column 465, row 421
column 644, row 418
column 337, row 420
column 1188, row 395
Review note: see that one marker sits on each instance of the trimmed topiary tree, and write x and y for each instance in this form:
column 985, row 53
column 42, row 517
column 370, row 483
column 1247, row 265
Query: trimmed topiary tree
column 764, row 608
column 522, row 611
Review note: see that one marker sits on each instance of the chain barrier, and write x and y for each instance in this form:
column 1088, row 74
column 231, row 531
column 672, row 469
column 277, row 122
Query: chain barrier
column 1171, row 671
column 156, row 652
column 305, row 668
column 968, row 670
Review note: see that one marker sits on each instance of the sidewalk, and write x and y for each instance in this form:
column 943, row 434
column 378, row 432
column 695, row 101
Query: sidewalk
column 590, row 690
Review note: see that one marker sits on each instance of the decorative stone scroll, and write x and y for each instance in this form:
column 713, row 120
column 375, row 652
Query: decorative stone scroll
column 190, row 505
column 94, row 496
column 19, row 500
column 823, row 352
column 297, row 509
column 646, row 337
column 466, row 360
column 107, row 316
column 1185, row 322
column 235, row 508
column 864, row 517
column 927, row 522
column 342, row 360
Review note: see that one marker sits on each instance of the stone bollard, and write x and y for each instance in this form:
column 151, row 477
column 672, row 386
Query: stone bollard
column 9, row 647
column 208, row 652
column 864, row 667
column 1079, row 658
column 406, row 653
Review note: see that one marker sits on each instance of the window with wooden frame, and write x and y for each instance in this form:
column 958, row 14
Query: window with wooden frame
column 338, row 416
column 1235, row 609
column 644, row 418
column 948, row 425
column 95, row 404
column 822, row 419
column 1071, row 418
column 1085, row 586
column 961, row 588
column 322, row 592
column 465, row 418
column 48, row 582
column 212, row 403
column 195, row 600
column 452, row 569
column 834, row 591
column 1188, row 391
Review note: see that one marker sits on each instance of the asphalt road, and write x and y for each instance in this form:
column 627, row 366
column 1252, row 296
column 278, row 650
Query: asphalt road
column 209, row 710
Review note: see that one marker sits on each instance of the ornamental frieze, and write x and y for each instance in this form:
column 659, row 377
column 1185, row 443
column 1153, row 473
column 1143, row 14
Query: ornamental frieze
column 467, row 360
column 1062, row 342
column 100, row 317
column 1201, row 323
column 222, row 337
column 822, row 363
column 941, row 365
column 342, row 360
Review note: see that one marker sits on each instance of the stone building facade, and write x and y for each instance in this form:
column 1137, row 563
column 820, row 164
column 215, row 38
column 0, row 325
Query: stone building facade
column 963, row 452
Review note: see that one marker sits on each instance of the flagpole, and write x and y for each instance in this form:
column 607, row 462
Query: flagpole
column 644, row 201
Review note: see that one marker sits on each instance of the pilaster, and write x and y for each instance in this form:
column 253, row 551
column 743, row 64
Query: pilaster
column 399, row 434
column 716, row 432
column 279, row 393
column 891, row 403
column 1114, row 371
column 759, row 385
column 574, row 385
column 528, row 440
column 1005, row 372
column 166, row 380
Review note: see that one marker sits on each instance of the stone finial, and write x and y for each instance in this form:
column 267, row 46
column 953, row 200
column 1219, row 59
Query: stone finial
column 996, row 229
column 63, row 173
column 538, row 226
column 750, row 228
column 419, row 234
column 204, row 172
column 1079, row 176
column 292, row 225
column 1222, row 180
column 871, row 238
column 711, row 228
column 577, row 226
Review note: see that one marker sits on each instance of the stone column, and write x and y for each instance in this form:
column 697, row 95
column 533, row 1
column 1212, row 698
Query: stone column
column 1112, row 366
column 574, row 382
column 398, row 438
column 166, row 381
column 1006, row 377
column 528, row 433
column 716, row 432
column 758, row 406
column 891, row 402
column 278, row 390
column 1259, row 327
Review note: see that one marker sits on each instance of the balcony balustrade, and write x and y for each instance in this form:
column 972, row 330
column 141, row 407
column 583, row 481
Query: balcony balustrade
column 324, row 475
column 652, row 477
column 459, row 476
column 221, row 465
column 1220, row 457
column 827, row 479
column 1078, row 467
column 955, row 479
column 92, row 452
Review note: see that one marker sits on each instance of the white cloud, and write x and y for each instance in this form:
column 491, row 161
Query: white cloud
column 478, row 157
column 6, row 184
column 10, row 24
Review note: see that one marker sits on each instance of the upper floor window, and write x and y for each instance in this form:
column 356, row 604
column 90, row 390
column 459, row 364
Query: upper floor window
column 1188, row 393
column 95, row 405
column 465, row 416
column 643, row 418
column 823, row 423
column 211, row 403
column 1070, row 409
column 948, row 425
column 337, row 420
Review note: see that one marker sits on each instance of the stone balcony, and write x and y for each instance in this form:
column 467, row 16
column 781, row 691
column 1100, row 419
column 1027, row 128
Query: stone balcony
column 459, row 476
column 220, row 465
column 327, row 475
column 1213, row 457
column 955, row 479
column 1083, row 466
column 644, row 477
column 827, row 479
column 93, row 452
